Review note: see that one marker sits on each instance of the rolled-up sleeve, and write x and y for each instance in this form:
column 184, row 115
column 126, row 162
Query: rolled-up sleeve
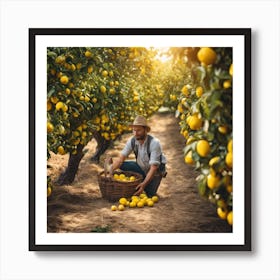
column 127, row 148
column 155, row 149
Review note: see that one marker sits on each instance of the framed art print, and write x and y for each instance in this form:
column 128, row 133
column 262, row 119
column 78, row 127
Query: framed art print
column 190, row 89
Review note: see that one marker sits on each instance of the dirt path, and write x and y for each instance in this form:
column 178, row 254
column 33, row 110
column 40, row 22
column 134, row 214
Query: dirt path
column 79, row 207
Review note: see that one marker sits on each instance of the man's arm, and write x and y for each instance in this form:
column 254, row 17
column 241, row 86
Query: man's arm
column 140, row 188
column 118, row 162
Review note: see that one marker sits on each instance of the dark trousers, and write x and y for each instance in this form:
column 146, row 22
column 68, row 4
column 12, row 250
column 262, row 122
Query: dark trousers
column 152, row 187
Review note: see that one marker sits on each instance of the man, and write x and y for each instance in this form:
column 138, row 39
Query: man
column 149, row 157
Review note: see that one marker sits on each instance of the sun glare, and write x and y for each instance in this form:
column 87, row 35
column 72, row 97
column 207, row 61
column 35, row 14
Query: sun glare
column 163, row 55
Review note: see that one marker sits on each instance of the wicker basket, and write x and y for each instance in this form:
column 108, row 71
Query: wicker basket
column 113, row 190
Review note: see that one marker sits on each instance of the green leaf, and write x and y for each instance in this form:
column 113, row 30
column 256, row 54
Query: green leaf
column 51, row 92
column 202, row 186
column 52, row 54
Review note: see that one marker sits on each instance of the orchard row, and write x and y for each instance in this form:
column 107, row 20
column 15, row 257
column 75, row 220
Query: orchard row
column 101, row 90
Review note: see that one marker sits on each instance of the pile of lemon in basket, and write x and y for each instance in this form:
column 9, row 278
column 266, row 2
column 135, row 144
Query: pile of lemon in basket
column 135, row 202
column 121, row 177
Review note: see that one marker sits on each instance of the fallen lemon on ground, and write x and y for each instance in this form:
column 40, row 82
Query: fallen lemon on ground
column 140, row 204
column 123, row 201
column 150, row 203
column 155, row 198
column 121, row 207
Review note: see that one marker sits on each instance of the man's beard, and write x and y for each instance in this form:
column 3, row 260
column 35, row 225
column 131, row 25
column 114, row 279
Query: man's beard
column 141, row 137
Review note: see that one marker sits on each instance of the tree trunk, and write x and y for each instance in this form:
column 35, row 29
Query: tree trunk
column 102, row 146
column 68, row 176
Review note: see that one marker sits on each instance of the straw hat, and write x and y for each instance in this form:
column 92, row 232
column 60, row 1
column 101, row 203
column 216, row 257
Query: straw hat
column 141, row 121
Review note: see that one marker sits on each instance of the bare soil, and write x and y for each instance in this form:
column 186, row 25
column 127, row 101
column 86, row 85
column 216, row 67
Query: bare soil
column 79, row 207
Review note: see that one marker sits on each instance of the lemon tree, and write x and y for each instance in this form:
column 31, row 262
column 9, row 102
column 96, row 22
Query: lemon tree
column 203, row 99
column 207, row 118
column 96, row 92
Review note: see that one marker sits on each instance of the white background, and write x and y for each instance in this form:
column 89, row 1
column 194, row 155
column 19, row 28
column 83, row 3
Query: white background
column 16, row 262
column 43, row 237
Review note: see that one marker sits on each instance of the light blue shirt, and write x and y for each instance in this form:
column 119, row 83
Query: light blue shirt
column 143, row 159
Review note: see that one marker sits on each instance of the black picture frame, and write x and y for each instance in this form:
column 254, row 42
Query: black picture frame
column 243, row 33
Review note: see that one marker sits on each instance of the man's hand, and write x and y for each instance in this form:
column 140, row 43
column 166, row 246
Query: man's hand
column 150, row 175
column 140, row 188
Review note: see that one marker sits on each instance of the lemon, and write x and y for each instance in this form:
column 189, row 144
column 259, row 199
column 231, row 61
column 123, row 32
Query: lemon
column 60, row 59
column 195, row 122
column 50, row 127
column 150, row 203
column 188, row 119
column 88, row 54
column 104, row 73
column 213, row 161
column 180, row 108
column 229, row 146
column 199, row 91
column 64, row 80
column 227, row 84
column 121, row 176
column 116, row 176
column 49, row 191
column 123, row 201
column 229, row 160
column 142, row 195
column 231, row 69
column 223, row 129
column 132, row 178
column 186, row 134
column 155, row 198
column 132, row 204
column 135, row 98
column 230, row 217
column 212, row 181
column 121, row 207
column 103, row 89
column 64, row 108
column 203, row 148
column 185, row 90
column 113, row 207
column 112, row 91
column 59, row 105
column 135, row 197
column 140, row 204
column 49, row 106
column 76, row 142
column 79, row 65
column 172, row 97
column 207, row 56
column 221, row 213
column 61, row 150
column 188, row 158
column 229, row 188
column 90, row 69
